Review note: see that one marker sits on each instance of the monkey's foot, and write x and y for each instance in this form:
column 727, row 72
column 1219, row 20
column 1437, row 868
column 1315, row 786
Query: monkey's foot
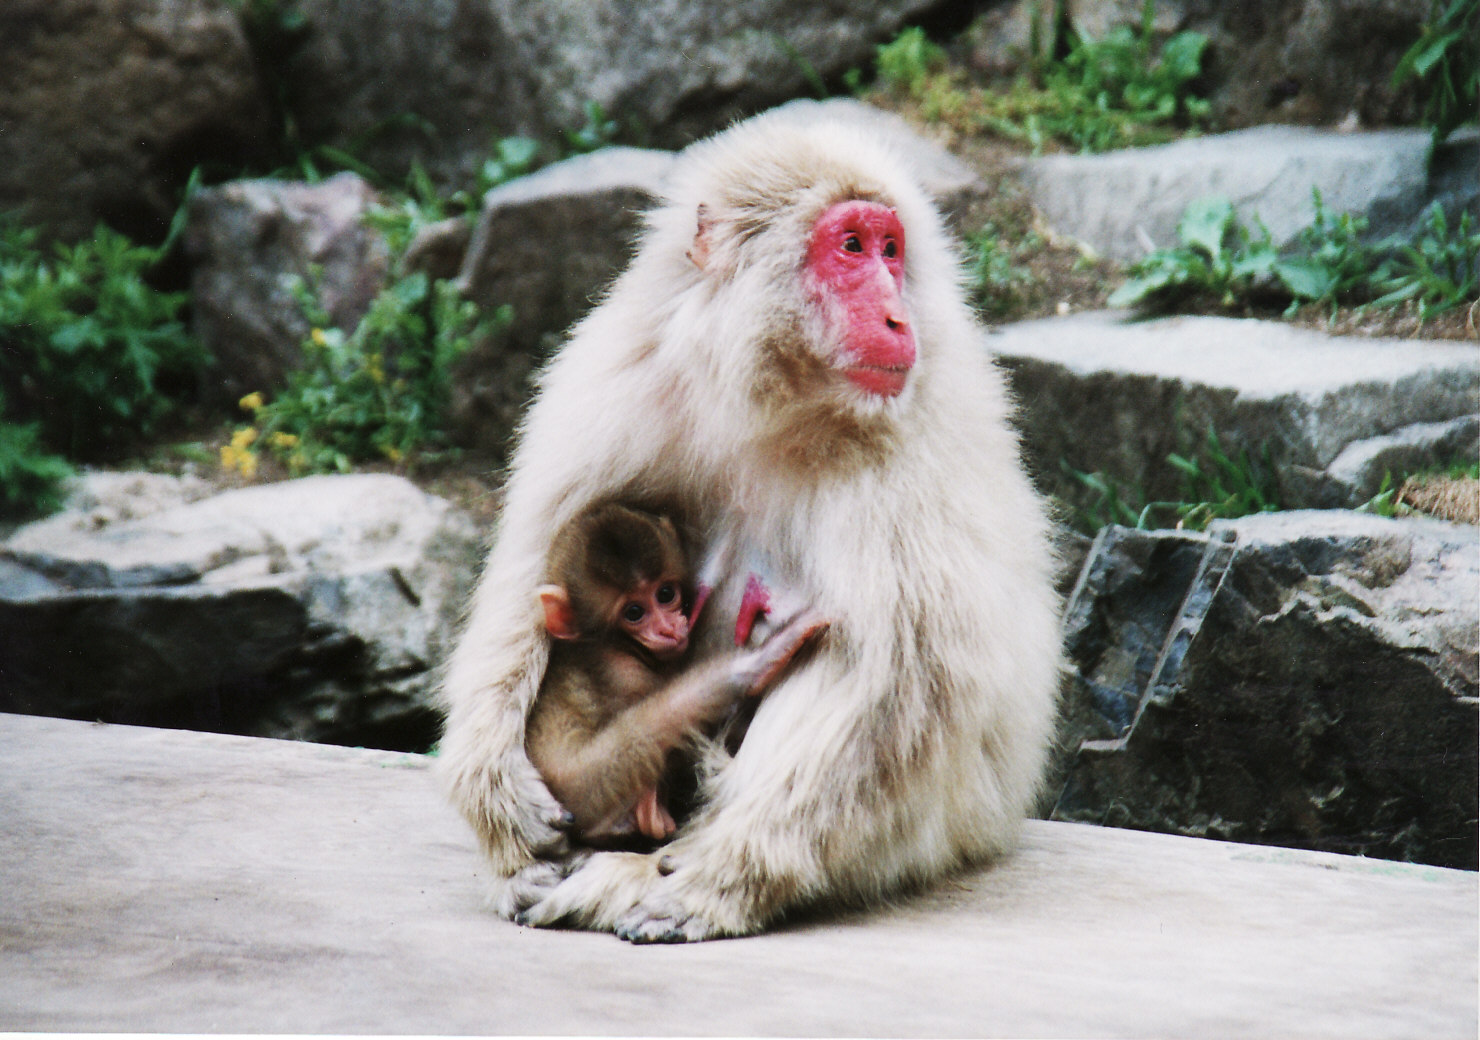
column 661, row 920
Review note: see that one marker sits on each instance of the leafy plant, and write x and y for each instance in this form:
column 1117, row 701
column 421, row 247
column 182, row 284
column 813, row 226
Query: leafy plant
column 377, row 392
column 1438, row 271
column 1217, row 257
column 89, row 351
column 1328, row 262
column 1445, row 60
column 1109, row 87
column 1329, row 259
column 597, row 132
column 1385, row 502
column 909, row 61
column 30, row 476
column 1092, row 94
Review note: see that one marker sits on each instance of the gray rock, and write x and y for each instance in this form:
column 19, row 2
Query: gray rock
column 317, row 609
column 546, row 245
column 1267, row 61
column 1363, row 465
column 1123, row 204
column 1108, row 394
column 105, row 107
column 246, row 241
column 439, row 249
column 469, row 72
column 1305, row 679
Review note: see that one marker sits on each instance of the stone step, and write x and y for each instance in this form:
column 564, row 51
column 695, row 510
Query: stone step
column 161, row 881
column 1104, row 392
column 1125, row 203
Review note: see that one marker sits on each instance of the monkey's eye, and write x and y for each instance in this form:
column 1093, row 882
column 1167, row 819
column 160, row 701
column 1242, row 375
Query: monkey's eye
column 891, row 249
column 632, row 613
column 667, row 594
column 853, row 244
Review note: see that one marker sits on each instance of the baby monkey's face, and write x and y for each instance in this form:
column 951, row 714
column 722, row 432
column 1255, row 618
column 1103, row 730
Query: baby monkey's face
column 652, row 612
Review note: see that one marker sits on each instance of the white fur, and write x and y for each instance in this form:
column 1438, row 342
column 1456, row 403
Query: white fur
column 912, row 741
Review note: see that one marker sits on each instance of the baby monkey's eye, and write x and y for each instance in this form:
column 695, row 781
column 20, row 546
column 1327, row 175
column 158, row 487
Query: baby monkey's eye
column 632, row 613
column 667, row 594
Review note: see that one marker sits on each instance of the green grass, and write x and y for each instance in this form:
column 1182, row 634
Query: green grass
column 1215, row 486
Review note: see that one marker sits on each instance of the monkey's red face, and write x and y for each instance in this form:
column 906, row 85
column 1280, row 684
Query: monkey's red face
column 653, row 615
column 856, row 260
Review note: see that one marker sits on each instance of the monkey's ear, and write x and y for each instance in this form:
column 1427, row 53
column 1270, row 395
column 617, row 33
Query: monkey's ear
column 560, row 617
column 699, row 251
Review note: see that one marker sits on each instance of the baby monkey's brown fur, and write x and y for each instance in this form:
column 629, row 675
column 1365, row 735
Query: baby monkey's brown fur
column 619, row 694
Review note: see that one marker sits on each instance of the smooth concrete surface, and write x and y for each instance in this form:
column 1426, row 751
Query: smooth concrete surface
column 164, row 881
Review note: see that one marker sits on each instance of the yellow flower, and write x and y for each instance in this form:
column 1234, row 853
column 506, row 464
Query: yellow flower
column 391, row 452
column 251, row 402
column 318, row 338
column 243, row 437
column 237, row 457
column 283, row 441
column 377, row 374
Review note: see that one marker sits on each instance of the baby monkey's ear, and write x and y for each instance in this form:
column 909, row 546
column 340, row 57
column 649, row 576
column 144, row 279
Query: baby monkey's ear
column 560, row 617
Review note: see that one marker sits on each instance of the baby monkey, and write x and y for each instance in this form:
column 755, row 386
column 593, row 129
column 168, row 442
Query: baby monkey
column 618, row 694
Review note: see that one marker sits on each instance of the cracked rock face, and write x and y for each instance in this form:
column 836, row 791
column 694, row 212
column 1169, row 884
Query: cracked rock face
column 1305, row 679
column 314, row 609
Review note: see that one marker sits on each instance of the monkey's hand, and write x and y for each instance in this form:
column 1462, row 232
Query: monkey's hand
column 759, row 668
column 630, row 894
column 542, row 823
column 513, row 895
column 606, row 884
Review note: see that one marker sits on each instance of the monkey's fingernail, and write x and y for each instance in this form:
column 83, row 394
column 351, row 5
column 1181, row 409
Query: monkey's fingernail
column 667, row 865
column 566, row 820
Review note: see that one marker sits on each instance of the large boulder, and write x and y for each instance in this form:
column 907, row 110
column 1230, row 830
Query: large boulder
column 1122, row 204
column 469, row 71
column 247, row 241
column 316, row 609
column 107, row 105
column 1306, row 679
column 1103, row 393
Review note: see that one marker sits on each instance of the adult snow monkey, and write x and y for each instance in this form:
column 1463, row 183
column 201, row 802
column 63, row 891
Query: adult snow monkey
column 790, row 365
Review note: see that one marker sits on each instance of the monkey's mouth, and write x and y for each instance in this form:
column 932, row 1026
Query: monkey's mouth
column 882, row 380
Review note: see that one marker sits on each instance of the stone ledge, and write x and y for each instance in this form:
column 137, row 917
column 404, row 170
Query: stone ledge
column 166, row 881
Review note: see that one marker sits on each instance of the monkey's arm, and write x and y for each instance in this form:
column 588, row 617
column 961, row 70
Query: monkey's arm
column 600, row 775
column 496, row 669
